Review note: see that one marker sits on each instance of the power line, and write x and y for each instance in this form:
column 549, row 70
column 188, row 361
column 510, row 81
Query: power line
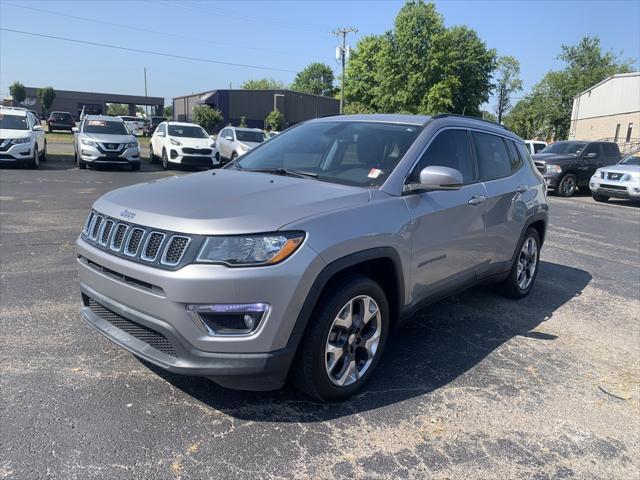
column 250, row 18
column 148, row 52
column 156, row 32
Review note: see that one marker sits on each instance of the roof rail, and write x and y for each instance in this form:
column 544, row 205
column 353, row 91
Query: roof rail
column 443, row 115
column 13, row 108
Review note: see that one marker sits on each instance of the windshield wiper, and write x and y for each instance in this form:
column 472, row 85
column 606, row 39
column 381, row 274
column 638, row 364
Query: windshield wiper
column 283, row 171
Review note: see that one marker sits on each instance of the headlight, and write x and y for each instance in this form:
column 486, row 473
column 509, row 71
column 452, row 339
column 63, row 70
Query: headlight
column 244, row 148
column 600, row 174
column 173, row 141
column 132, row 145
column 21, row 140
column 89, row 142
column 250, row 250
column 554, row 169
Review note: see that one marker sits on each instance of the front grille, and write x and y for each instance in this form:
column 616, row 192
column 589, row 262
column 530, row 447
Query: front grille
column 152, row 247
column 133, row 243
column 614, row 176
column 613, row 187
column 144, row 334
column 196, row 151
column 106, row 232
column 540, row 166
column 118, row 237
column 163, row 249
column 175, row 250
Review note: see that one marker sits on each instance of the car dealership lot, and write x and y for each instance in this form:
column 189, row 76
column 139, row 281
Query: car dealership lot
column 475, row 386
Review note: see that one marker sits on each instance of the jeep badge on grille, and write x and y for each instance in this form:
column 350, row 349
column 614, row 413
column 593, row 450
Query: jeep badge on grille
column 128, row 214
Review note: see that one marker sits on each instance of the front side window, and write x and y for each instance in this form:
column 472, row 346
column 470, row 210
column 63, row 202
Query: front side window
column 187, row 131
column 565, row 148
column 105, row 127
column 14, row 122
column 493, row 159
column 347, row 152
column 592, row 148
column 449, row 149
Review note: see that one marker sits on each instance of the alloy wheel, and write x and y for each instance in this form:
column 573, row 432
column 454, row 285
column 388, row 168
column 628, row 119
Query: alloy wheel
column 353, row 340
column 527, row 263
column 568, row 186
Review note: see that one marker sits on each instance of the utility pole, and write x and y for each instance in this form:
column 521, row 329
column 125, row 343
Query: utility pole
column 342, row 32
column 146, row 107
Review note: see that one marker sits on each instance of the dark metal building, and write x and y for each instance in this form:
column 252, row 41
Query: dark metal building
column 93, row 103
column 255, row 105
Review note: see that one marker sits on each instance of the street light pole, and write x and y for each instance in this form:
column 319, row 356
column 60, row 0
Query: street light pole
column 342, row 32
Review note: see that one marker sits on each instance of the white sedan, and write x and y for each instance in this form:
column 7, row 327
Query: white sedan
column 179, row 143
column 621, row 180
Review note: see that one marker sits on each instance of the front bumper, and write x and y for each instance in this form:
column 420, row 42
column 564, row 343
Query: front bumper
column 176, row 155
column 16, row 153
column 552, row 180
column 157, row 299
column 629, row 190
column 92, row 155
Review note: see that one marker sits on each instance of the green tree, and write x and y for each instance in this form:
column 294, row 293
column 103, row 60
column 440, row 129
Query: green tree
column 168, row 111
column 508, row 82
column 117, row 109
column 274, row 120
column 46, row 96
column 18, row 92
column 317, row 79
column 546, row 111
column 243, row 122
column 488, row 116
column 263, row 84
column 421, row 66
column 207, row 117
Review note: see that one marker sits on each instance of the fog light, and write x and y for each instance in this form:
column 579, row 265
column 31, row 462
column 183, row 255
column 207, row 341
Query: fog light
column 85, row 153
column 174, row 154
column 228, row 319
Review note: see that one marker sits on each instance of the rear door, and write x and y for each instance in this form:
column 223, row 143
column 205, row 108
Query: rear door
column 506, row 183
column 448, row 227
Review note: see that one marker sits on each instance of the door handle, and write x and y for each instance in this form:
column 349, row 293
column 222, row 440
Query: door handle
column 477, row 199
column 521, row 188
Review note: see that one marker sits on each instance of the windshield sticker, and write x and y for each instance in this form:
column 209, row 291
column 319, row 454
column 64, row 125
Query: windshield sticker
column 374, row 173
column 99, row 123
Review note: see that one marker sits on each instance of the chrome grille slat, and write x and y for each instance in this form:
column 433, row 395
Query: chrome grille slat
column 133, row 241
column 175, row 249
column 88, row 222
column 152, row 246
column 105, row 234
column 95, row 227
column 118, row 237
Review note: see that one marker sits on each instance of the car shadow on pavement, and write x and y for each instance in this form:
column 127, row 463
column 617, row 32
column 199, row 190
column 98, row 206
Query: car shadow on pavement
column 432, row 349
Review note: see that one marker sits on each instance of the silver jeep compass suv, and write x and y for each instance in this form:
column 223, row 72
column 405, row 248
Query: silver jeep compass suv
column 296, row 260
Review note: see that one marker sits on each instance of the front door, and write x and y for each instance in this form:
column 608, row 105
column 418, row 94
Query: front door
column 589, row 163
column 447, row 226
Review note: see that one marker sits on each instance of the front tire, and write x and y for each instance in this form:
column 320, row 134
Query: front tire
column 43, row 156
column 344, row 341
column 165, row 160
column 152, row 156
column 567, row 186
column 82, row 165
column 525, row 267
column 35, row 161
column 600, row 198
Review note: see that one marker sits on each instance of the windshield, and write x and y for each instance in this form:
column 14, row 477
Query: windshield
column 633, row 159
column 187, row 131
column 105, row 127
column 350, row 153
column 249, row 136
column 14, row 122
column 61, row 115
column 565, row 148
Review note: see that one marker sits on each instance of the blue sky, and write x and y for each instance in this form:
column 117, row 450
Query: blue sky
column 282, row 35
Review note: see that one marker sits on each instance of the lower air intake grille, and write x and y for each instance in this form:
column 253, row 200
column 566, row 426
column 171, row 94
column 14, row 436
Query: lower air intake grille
column 142, row 333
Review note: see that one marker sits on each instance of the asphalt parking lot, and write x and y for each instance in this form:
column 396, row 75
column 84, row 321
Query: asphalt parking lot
column 476, row 386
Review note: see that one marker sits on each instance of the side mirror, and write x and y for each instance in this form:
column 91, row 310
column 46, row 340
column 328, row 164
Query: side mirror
column 436, row 178
column 75, row 130
column 592, row 155
column 37, row 128
column 229, row 137
column 160, row 134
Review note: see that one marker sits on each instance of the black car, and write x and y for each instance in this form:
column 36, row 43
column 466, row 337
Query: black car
column 567, row 166
column 60, row 121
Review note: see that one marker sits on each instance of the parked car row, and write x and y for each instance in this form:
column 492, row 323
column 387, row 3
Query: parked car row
column 22, row 138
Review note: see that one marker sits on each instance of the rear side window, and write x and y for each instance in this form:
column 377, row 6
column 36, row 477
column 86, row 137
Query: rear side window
column 449, row 149
column 493, row 159
column 610, row 150
column 515, row 159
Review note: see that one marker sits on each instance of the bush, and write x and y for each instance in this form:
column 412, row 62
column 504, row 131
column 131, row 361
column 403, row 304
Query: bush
column 18, row 92
column 275, row 120
column 207, row 117
column 243, row 122
column 46, row 96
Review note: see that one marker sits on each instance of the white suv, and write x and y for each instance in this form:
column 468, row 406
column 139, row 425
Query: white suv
column 181, row 143
column 535, row 146
column 21, row 137
column 233, row 142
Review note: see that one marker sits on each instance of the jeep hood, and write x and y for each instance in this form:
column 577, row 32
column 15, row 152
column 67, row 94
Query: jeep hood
column 227, row 202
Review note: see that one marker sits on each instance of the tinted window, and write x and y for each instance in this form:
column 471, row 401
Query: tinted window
column 106, row 127
column 513, row 156
column 493, row 158
column 14, row 122
column 347, row 152
column 187, row 131
column 225, row 133
column 565, row 148
column 538, row 147
column 592, row 148
column 610, row 150
column 249, row 136
column 449, row 149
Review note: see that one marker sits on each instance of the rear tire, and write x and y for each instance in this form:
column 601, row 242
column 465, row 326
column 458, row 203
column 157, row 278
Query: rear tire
column 80, row 163
column 567, row 186
column 339, row 352
column 600, row 198
column 152, row 156
column 525, row 267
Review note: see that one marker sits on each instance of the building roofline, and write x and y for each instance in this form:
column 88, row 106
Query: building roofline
column 100, row 93
column 275, row 90
column 611, row 77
